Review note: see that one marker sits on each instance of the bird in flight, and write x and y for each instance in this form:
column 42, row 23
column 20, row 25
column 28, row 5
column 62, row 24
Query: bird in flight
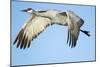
column 41, row 19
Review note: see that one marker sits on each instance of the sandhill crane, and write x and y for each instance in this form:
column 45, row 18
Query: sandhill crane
column 40, row 20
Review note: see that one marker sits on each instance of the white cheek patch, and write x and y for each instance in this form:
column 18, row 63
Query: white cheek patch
column 30, row 11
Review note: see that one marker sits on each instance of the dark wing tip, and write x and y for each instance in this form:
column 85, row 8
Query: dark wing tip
column 21, row 40
column 71, row 40
column 29, row 43
column 17, row 37
column 68, row 36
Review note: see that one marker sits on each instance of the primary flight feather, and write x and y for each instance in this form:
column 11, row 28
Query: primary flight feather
column 40, row 20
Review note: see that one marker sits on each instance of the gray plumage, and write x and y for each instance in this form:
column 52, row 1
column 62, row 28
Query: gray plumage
column 40, row 20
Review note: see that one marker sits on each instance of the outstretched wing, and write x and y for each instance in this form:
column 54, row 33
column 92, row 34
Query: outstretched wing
column 31, row 30
column 74, row 24
column 73, row 33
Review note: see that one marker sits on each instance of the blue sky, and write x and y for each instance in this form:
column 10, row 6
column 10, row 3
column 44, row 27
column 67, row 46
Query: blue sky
column 50, row 46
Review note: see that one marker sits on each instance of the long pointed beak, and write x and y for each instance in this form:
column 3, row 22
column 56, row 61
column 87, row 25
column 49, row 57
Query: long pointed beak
column 24, row 10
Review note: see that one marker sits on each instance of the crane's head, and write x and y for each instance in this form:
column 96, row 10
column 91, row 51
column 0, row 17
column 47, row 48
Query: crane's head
column 29, row 10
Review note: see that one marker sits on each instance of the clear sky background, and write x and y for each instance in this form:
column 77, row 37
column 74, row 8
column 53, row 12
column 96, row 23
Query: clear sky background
column 50, row 46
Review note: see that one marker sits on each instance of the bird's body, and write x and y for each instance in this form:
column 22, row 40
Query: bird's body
column 52, row 15
column 40, row 20
column 59, row 17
